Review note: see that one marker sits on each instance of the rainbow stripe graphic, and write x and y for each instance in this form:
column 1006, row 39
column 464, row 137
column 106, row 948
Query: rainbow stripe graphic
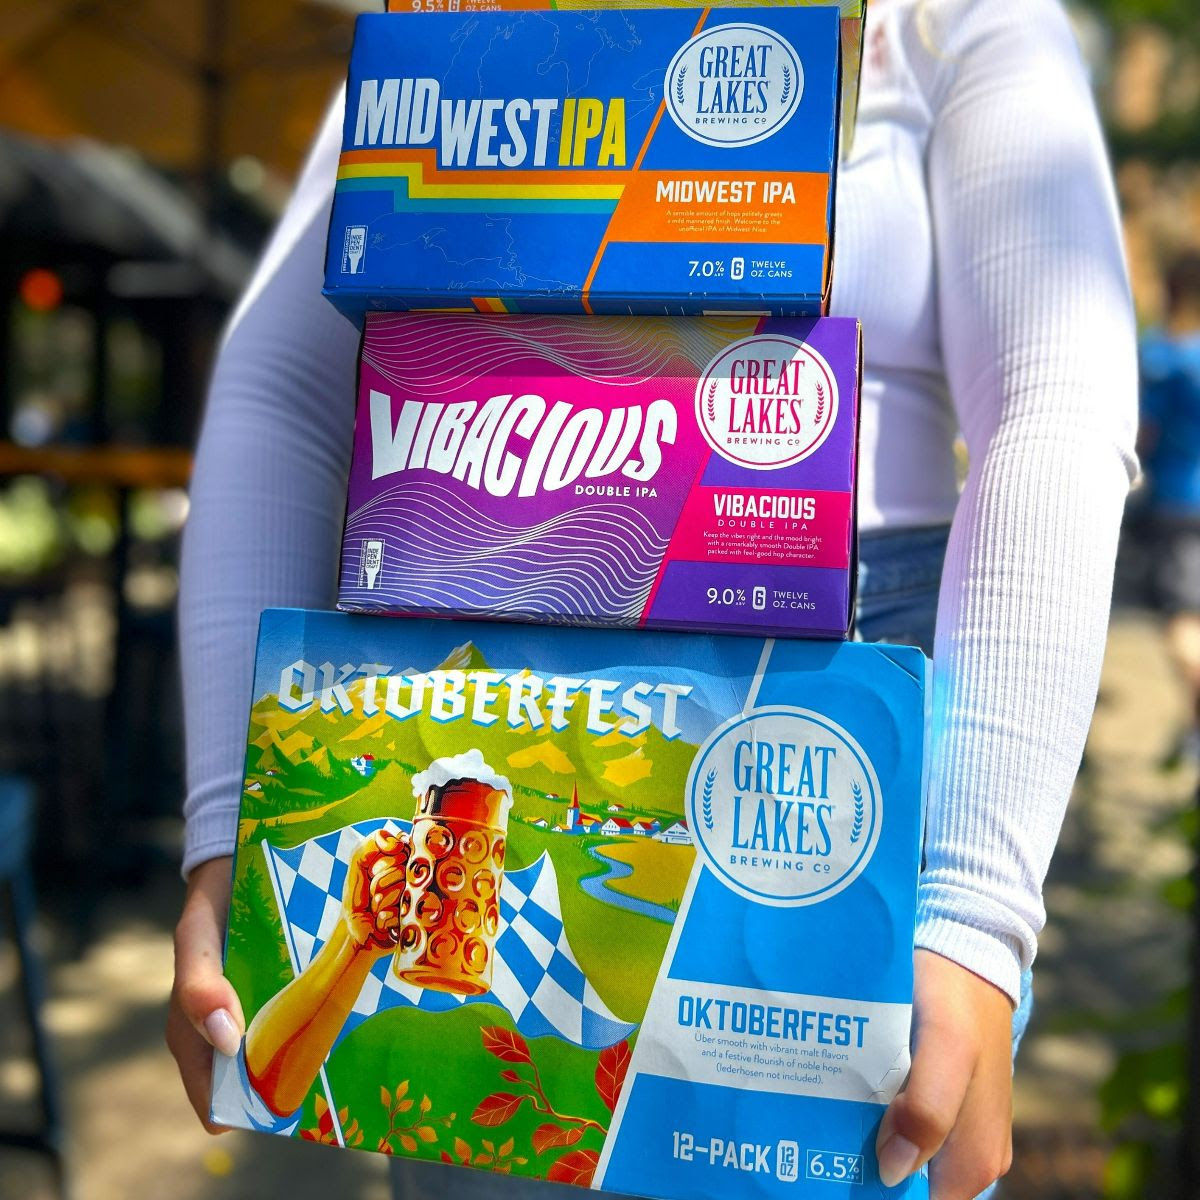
column 419, row 185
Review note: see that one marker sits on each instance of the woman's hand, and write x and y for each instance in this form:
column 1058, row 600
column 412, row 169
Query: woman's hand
column 956, row 1106
column 204, row 1010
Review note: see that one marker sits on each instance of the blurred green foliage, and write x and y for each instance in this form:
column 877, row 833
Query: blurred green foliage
column 1174, row 136
column 33, row 536
column 1142, row 1101
column 43, row 526
column 1177, row 16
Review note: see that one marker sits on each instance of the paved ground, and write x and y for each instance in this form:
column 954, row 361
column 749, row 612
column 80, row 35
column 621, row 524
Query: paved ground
column 131, row 1132
column 1110, row 946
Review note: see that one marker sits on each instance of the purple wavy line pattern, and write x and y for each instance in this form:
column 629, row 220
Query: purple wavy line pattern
column 433, row 355
column 596, row 563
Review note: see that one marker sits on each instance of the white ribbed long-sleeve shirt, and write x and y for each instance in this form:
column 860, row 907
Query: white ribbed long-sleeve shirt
column 977, row 240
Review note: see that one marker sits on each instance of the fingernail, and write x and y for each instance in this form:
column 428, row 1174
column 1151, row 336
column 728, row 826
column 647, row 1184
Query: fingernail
column 222, row 1032
column 897, row 1160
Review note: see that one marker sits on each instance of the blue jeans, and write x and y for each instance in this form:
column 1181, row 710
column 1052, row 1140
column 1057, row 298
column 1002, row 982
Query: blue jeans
column 899, row 573
column 898, row 577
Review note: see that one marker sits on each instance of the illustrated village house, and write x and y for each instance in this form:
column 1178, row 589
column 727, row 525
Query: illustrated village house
column 579, row 821
column 615, row 826
column 676, row 834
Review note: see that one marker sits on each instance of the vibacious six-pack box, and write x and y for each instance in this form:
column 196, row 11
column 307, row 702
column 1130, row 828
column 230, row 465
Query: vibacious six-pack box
column 626, row 910
column 649, row 160
column 661, row 472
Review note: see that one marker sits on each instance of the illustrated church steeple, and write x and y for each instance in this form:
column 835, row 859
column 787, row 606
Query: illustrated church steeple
column 573, row 825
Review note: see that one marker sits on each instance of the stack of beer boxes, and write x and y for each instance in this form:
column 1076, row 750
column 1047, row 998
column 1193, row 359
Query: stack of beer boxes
column 610, row 880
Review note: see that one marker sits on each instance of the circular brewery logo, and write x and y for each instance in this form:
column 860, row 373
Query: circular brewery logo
column 766, row 402
column 733, row 85
column 785, row 806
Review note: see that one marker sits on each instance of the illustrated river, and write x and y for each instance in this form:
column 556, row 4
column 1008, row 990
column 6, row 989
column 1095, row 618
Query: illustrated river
column 597, row 887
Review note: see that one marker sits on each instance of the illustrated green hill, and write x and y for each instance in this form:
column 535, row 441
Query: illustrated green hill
column 310, row 751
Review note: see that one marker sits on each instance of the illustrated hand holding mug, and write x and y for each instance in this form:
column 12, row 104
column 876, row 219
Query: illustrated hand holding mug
column 374, row 885
column 430, row 898
column 434, row 896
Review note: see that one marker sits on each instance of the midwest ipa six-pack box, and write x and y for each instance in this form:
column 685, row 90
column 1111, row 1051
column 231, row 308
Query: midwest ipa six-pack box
column 447, row 832
column 658, row 472
column 649, row 160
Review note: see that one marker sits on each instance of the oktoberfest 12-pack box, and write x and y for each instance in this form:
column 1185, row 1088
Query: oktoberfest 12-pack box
column 627, row 910
column 651, row 160
column 656, row 472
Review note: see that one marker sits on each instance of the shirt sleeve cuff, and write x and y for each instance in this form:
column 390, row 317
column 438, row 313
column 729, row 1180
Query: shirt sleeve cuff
column 211, row 833
column 986, row 952
column 235, row 1102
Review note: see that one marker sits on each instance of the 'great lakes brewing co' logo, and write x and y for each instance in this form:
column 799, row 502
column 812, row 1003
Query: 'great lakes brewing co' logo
column 767, row 401
column 733, row 85
column 785, row 806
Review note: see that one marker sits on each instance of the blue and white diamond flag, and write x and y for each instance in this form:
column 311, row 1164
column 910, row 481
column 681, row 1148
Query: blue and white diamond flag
column 535, row 976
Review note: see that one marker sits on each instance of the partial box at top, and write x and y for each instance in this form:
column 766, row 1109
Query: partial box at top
column 656, row 472
column 673, row 160
column 853, row 14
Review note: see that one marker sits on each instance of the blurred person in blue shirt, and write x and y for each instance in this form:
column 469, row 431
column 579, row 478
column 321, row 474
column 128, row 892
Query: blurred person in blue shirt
column 1170, row 445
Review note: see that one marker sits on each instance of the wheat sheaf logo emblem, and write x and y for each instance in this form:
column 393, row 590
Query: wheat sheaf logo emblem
column 856, row 829
column 679, row 92
column 706, row 812
column 787, row 86
column 710, row 403
column 820, row 416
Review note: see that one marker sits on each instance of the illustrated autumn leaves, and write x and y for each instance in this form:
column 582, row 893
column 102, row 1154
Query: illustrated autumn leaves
column 424, row 1129
column 561, row 1131
column 323, row 1131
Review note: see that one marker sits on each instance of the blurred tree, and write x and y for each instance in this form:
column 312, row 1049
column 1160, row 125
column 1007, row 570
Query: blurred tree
column 1149, row 81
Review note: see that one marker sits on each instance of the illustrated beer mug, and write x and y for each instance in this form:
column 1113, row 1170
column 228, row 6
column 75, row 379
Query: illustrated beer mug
column 450, row 907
